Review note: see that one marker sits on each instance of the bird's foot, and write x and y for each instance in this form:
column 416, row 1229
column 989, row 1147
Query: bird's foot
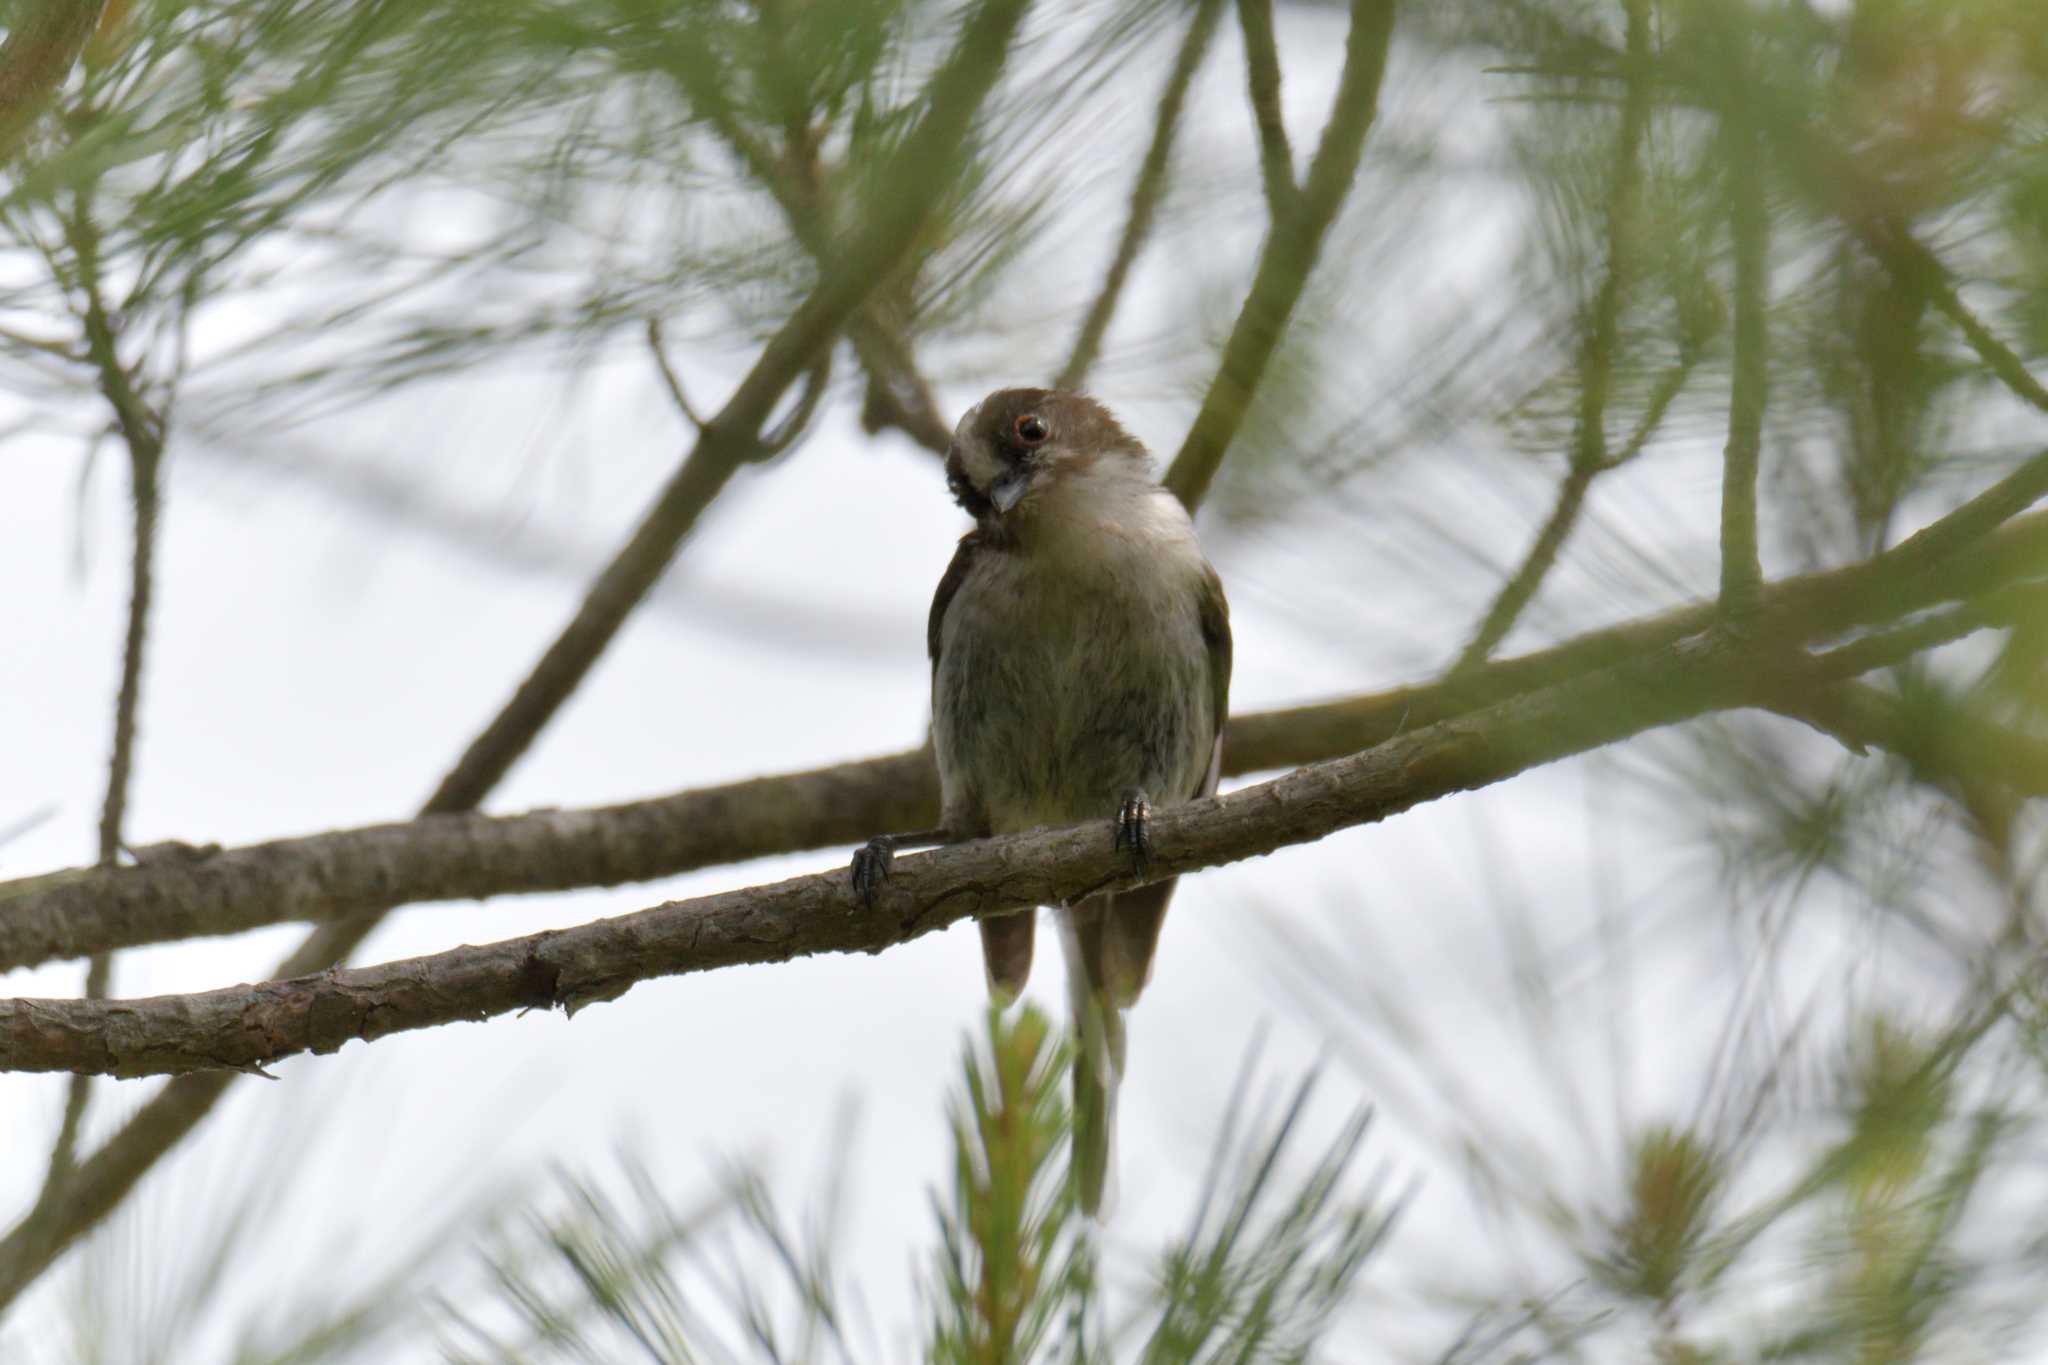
column 1134, row 828
column 871, row 867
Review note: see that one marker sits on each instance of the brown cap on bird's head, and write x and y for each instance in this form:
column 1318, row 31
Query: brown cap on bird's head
column 1015, row 438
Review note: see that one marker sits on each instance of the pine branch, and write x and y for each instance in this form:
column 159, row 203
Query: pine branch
column 1833, row 173
column 1596, row 359
column 1262, row 76
column 908, row 192
column 248, row 1027
column 1741, row 570
column 1289, row 255
column 180, row 891
column 1146, row 195
column 909, row 189
column 898, row 395
column 1720, row 667
column 142, row 430
column 44, row 38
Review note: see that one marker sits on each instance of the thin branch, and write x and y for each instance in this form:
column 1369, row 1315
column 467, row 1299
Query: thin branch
column 250, row 1026
column 1956, row 748
column 56, row 350
column 791, row 428
column 1289, row 255
column 1909, row 260
column 1596, row 359
column 1516, row 594
column 908, row 191
column 909, row 188
column 1999, row 608
column 670, row 380
column 142, row 430
column 1146, row 195
column 771, row 444
column 142, row 433
column 1669, row 385
column 1834, row 174
column 1975, row 519
column 1750, row 225
column 1262, row 75
column 1597, row 349
column 180, row 892
column 898, row 395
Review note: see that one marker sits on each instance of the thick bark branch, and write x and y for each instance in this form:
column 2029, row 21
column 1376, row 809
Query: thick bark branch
column 247, row 1027
column 180, row 892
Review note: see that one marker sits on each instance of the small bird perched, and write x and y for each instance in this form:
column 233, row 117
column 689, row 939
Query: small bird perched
column 1080, row 648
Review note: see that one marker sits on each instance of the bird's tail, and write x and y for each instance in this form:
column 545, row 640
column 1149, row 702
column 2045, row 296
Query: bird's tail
column 1098, row 1051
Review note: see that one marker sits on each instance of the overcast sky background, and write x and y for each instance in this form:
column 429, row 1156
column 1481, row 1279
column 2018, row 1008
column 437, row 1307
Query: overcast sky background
column 319, row 657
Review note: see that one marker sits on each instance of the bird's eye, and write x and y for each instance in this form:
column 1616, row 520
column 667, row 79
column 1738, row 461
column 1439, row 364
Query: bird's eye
column 1030, row 430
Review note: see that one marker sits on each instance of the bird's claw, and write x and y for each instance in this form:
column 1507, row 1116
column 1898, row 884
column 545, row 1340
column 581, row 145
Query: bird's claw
column 871, row 868
column 1134, row 828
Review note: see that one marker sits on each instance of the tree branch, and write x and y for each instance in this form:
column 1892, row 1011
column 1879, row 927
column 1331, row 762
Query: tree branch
column 1741, row 570
column 1596, row 358
column 905, row 196
column 44, row 39
column 1951, row 746
column 1833, row 173
column 908, row 188
column 1146, row 195
column 191, row 892
column 1262, row 75
column 247, row 1027
column 1289, row 255
column 657, row 347
column 898, row 395
column 1520, row 589
column 142, row 431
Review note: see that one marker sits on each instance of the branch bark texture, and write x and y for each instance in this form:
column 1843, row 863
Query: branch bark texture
column 248, row 1027
column 181, row 893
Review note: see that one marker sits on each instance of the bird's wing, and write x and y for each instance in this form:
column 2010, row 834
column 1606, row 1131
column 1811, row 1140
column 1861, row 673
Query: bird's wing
column 1133, row 936
column 1006, row 940
column 956, row 573
column 1215, row 618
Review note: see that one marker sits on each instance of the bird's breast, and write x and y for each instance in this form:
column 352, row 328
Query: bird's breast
column 1064, row 680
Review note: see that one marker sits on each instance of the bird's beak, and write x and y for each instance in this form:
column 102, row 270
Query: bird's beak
column 1009, row 490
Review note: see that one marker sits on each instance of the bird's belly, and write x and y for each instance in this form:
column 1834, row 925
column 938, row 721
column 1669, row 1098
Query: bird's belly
column 1059, row 698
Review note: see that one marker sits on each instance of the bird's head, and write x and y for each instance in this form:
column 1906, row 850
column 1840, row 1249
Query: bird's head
column 1016, row 448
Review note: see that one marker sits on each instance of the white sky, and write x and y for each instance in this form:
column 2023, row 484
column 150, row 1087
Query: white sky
column 315, row 665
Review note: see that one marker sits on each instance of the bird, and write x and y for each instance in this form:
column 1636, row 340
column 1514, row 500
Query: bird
column 1080, row 669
